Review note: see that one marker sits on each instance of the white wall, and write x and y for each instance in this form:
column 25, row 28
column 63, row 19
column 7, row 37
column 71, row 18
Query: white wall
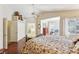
column 1, row 33
column 24, row 9
column 1, row 28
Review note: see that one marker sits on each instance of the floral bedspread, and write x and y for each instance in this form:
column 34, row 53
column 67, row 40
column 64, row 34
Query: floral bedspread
column 51, row 45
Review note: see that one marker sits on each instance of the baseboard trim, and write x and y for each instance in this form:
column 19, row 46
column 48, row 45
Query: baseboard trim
column 1, row 51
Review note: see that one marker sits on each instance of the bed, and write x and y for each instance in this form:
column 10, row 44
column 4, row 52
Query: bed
column 51, row 45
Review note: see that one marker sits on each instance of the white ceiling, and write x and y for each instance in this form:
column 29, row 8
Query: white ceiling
column 27, row 9
column 56, row 7
column 45, row 7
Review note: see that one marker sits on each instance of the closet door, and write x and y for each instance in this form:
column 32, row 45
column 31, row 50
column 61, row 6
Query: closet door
column 12, row 31
column 20, row 30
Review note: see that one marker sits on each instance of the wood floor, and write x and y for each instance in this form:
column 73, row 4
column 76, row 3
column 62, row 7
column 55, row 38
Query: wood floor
column 15, row 47
column 12, row 48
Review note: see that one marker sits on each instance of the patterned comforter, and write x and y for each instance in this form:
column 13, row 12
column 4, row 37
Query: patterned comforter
column 52, row 45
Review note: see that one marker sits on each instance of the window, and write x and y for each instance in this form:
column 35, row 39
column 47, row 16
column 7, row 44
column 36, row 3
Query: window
column 53, row 25
column 31, row 32
column 72, row 26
